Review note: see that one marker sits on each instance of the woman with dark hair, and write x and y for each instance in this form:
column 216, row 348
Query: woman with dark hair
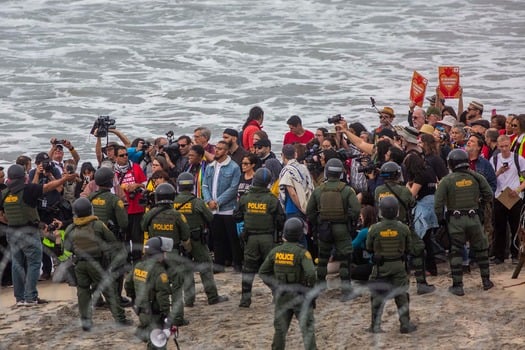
column 320, row 135
column 248, row 164
column 87, row 173
column 447, row 110
column 159, row 163
column 361, row 265
column 422, row 182
column 253, row 123
column 518, row 143
column 432, row 155
column 137, row 149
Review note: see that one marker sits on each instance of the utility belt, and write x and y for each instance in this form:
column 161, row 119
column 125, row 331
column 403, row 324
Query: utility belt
column 199, row 234
column 251, row 233
column 32, row 224
column 465, row 212
column 379, row 260
column 84, row 258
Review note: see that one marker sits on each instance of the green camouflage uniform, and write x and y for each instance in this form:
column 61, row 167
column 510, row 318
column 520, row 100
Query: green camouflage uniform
column 164, row 221
column 149, row 288
column 110, row 209
column 289, row 271
column 340, row 236
column 389, row 240
column 198, row 216
column 417, row 246
column 263, row 216
column 91, row 242
column 464, row 193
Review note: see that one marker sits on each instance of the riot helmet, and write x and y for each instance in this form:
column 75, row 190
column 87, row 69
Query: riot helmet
column 390, row 171
column 185, row 182
column 104, row 177
column 389, row 207
column 333, row 168
column 164, row 194
column 457, row 159
column 293, row 229
column 262, row 177
column 82, row 207
column 158, row 245
column 16, row 172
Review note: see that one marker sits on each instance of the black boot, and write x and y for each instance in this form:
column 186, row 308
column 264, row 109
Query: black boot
column 246, row 296
column 408, row 328
column 487, row 283
column 457, row 289
column 425, row 288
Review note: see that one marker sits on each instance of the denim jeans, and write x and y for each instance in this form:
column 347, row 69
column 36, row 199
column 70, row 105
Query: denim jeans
column 26, row 248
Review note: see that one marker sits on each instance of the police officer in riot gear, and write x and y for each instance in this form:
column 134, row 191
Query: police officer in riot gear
column 391, row 172
column 389, row 240
column 149, row 288
column 463, row 193
column 263, row 218
column 164, row 221
column 111, row 211
column 91, row 243
column 18, row 209
column 199, row 217
column 289, row 271
column 331, row 207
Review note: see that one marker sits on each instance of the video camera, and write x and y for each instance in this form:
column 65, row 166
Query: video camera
column 335, row 119
column 172, row 149
column 367, row 165
column 102, row 125
column 48, row 166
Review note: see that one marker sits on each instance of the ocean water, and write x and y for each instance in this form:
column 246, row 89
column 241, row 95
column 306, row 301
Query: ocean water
column 174, row 65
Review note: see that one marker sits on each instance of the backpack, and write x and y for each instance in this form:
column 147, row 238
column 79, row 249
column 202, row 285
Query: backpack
column 331, row 206
column 516, row 162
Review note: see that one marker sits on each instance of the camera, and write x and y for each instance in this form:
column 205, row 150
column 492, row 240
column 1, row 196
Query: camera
column 48, row 166
column 103, row 124
column 58, row 142
column 335, row 119
column 311, row 158
column 147, row 199
column 52, row 227
column 146, row 146
column 367, row 165
column 172, row 149
column 135, row 192
column 505, row 164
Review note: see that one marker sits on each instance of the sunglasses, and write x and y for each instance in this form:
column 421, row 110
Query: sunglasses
column 514, row 125
column 471, row 109
column 183, row 144
column 122, row 155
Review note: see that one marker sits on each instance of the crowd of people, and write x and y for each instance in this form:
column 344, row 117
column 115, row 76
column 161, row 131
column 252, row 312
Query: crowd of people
column 226, row 204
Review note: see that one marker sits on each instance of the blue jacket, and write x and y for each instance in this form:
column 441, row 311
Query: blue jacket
column 230, row 175
column 484, row 167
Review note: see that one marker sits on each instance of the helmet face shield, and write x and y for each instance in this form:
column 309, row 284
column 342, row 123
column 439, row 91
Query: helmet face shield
column 166, row 244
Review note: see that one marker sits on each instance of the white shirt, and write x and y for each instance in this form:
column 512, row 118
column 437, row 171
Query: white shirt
column 509, row 178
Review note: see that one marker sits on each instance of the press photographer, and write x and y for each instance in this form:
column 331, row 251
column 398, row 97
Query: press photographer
column 51, row 206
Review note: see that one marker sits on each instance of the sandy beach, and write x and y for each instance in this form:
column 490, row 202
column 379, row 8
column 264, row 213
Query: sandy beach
column 491, row 319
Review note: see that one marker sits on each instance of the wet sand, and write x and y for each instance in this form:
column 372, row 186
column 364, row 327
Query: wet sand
column 491, row 319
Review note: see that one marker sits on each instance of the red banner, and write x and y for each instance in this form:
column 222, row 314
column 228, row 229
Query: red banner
column 449, row 82
column 418, row 88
